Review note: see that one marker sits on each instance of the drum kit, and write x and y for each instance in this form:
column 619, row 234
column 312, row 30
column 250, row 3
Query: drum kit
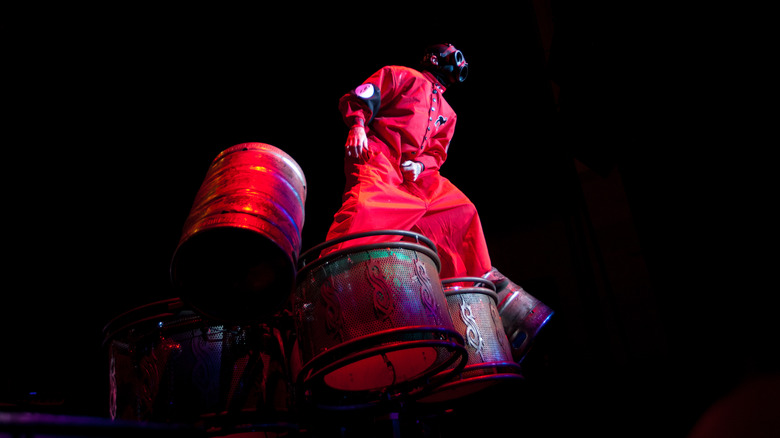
column 264, row 339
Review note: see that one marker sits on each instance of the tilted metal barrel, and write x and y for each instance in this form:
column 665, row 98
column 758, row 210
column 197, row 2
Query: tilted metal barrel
column 522, row 314
column 237, row 255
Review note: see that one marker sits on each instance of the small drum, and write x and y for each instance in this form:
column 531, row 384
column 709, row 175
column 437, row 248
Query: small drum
column 523, row 316
column 169, row 364
column 372, row 322
column 472, row 305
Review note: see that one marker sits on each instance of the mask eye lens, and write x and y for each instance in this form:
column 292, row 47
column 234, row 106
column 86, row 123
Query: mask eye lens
column 459, row 59
column 464, row 72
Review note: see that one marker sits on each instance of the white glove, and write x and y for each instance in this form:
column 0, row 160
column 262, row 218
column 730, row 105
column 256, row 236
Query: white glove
column 411, row 170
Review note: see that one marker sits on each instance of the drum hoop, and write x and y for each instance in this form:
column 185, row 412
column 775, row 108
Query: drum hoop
column 165, row 308
column 412, row 389
column 505, row 366
column 481, row 377
column 472, row 290
column 503, row 377
column 442, row 382
column 419, row 237
column 456, row 347
column 479, row 280
column 371, row 339
column 368, row 247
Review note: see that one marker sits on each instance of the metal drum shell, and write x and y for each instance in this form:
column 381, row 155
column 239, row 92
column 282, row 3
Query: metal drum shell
column 366, row 309
column 472, row 303
column 169, row 364
column 523, row 316
column 237, row 254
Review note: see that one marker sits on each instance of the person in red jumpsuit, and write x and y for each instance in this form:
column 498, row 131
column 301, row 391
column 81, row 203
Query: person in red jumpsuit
column 400, row 128
column 400, row 132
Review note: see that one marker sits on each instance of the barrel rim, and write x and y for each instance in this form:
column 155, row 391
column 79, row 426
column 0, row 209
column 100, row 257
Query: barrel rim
column 310, row 377
column 370, row 247
column 490, row 285
column 429, row 247
column 150, row 311
column 256, row 145
column 174, row 265
column 470, row 289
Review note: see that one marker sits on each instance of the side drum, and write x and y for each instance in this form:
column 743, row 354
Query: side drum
column 372, row 322
column 523, row 316
column 472, row 305
column 169, row 364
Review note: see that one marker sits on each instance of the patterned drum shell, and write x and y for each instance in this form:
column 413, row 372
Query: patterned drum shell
column 372, row 323
column 472, row 305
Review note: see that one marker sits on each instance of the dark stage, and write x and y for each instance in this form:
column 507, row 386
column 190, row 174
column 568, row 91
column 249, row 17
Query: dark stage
column 597, row 186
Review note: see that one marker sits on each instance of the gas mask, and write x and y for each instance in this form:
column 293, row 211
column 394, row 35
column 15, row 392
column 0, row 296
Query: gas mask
column 446, row 63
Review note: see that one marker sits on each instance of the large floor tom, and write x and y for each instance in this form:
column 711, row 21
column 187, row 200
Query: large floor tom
column 372, row 322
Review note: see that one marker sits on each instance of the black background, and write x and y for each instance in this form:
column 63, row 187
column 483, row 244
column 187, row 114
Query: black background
column 112, row 117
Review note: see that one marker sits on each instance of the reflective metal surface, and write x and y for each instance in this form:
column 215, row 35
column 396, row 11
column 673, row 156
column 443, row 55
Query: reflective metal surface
column 236, row 258
column 522, row 314
column 472, row 304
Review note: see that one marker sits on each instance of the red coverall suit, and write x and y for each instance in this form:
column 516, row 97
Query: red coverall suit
column 406, row 118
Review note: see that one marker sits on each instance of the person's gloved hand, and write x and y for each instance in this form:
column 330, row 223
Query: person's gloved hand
column 411, row 170
column 357, row 143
